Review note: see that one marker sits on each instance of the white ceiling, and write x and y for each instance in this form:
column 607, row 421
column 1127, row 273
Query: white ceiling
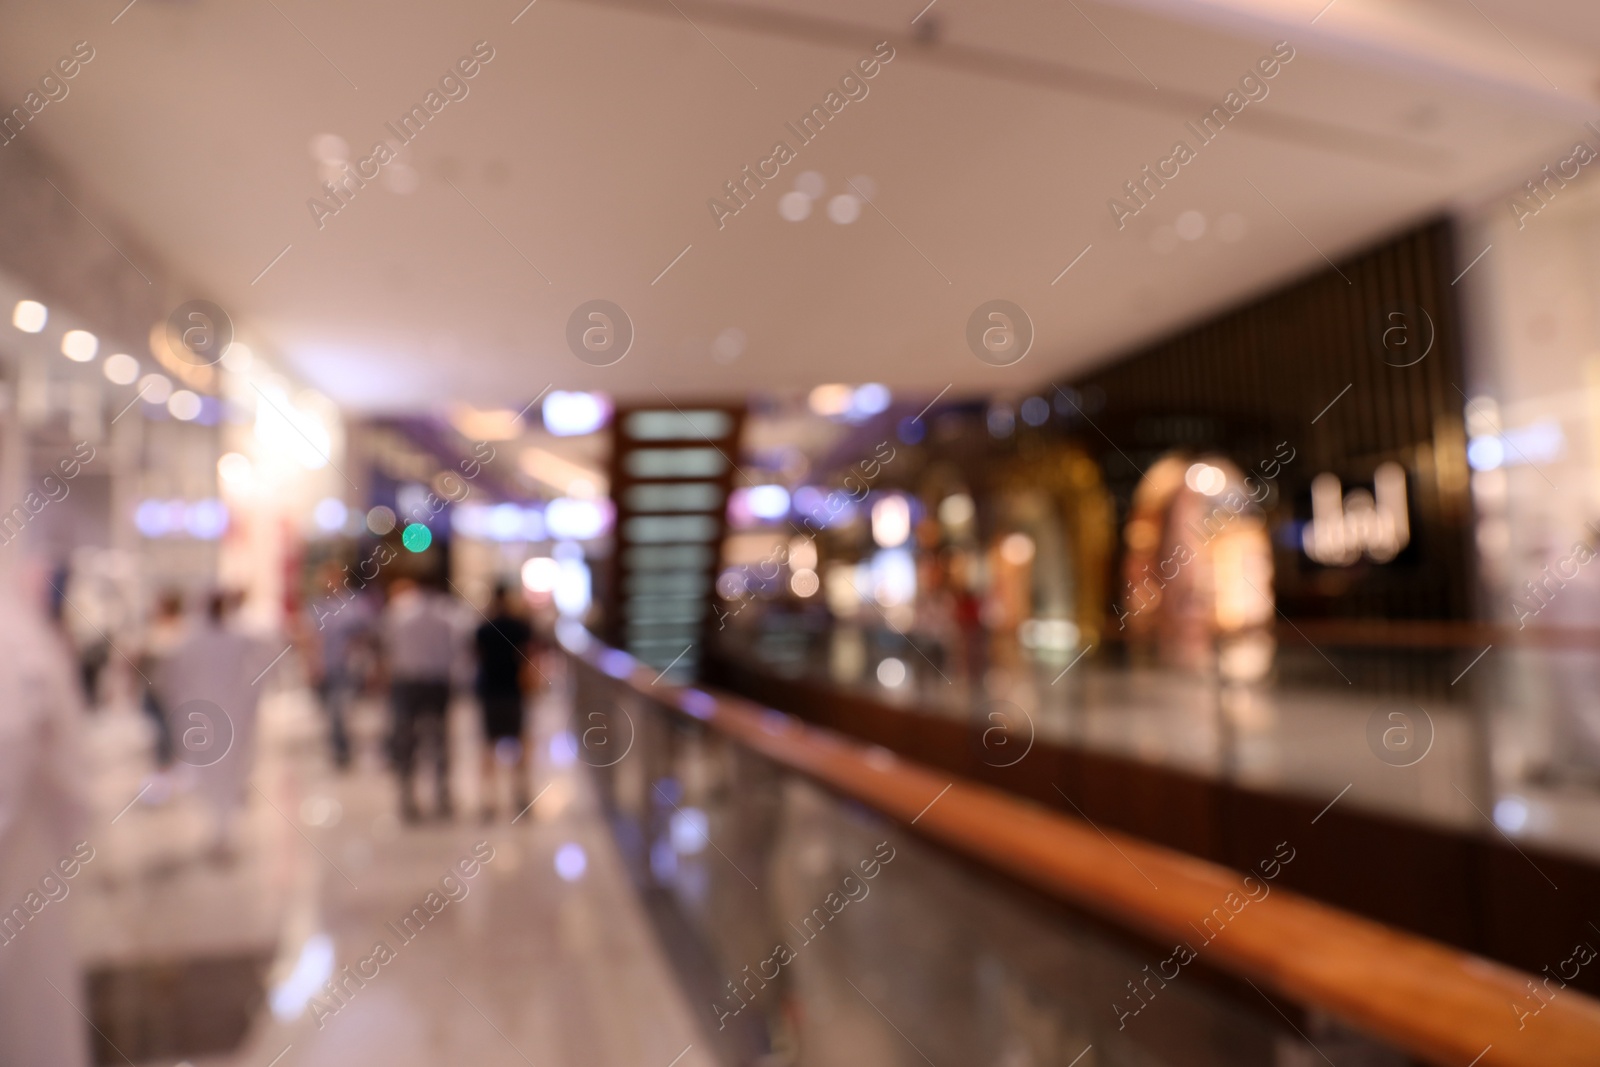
column 592, row 141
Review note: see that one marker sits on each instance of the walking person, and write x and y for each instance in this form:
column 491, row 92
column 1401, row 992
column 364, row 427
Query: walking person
column 42, row 814
column 209, row 687
column 504, row 648
column 340, row 623
column 163, row 634
column 419, row 644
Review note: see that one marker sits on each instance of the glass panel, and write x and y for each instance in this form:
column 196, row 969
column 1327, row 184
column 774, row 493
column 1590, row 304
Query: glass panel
column 668, row 528
column 687, row 496
column 661, row 584
column 662, row 557
column 678, row 425
column 675, row 463
column 807, row 929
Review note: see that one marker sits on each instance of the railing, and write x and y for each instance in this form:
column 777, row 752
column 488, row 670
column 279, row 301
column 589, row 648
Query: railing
column 1437, row 1004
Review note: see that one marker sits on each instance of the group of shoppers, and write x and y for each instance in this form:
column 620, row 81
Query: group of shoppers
column 200, row 682
column 415, row 643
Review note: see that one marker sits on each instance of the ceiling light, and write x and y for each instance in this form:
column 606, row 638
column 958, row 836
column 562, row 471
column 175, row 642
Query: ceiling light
column 399, row 178
column 844, row 209
column 795, row 206
column 870, row 399
column 330, row 514
column 120, row 368
column 79, row 345
column 1204, row 478
column 574, row 414
column 1016, row 549
column 329, row 148
column 539, row 574
column 891, row 521
column 570, row 862
column 183, row 405
column 729, row 345
column 236, row 470
column 769, row 502
column 491, row 425
column 830, row 400
column 810, row 184
column 504, row 522
column 1191, row 225
column 956, row 509
column 29, row 316
column 155, row 388
column 574, row 520
column 236, row 357
column 562, row 475
column 804, row 582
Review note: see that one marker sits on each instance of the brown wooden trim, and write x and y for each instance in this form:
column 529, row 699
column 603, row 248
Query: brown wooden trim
column 1398, row 633
column 1439, row 1004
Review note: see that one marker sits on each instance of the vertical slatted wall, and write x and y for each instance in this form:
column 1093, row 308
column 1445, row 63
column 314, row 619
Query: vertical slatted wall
column 1253, row 377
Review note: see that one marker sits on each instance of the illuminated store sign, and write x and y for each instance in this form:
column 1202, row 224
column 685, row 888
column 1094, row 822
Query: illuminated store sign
column 1346, row 526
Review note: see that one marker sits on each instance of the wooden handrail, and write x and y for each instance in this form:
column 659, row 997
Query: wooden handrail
column 1421, row 633
column 1437, row 1003
column 1410, row 634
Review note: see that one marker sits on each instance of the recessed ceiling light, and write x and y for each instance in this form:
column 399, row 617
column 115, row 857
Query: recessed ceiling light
column 155, row 388
column 236, row 470
column 729, row 345
column 863, row 187
column 1191, row 225
column 120, row 368
column 811, row 184
column 183, row 405
column 79, row 345
column 795, row 206
column 30, row 316
column 826, row 400
column 399, row 178
column 236, row 357
column 844, row 209
column 329, row 148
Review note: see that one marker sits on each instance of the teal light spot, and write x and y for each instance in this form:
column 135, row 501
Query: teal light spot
column 417, row 537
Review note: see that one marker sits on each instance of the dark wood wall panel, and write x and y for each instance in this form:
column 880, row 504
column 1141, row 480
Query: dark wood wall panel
column 1260, row 374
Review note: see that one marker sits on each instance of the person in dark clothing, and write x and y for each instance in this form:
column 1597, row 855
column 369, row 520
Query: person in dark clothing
column 504, row 644
column 165, row 632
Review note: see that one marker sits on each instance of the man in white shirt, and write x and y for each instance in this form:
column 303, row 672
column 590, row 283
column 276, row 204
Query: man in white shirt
column 419, row 637
column 210, row 686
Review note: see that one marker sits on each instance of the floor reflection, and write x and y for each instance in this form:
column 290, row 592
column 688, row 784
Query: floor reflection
column 1285, row 733
column 542, row 955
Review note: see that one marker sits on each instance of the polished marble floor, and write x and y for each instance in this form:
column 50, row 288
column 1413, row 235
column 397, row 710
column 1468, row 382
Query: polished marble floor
column 542, row 956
